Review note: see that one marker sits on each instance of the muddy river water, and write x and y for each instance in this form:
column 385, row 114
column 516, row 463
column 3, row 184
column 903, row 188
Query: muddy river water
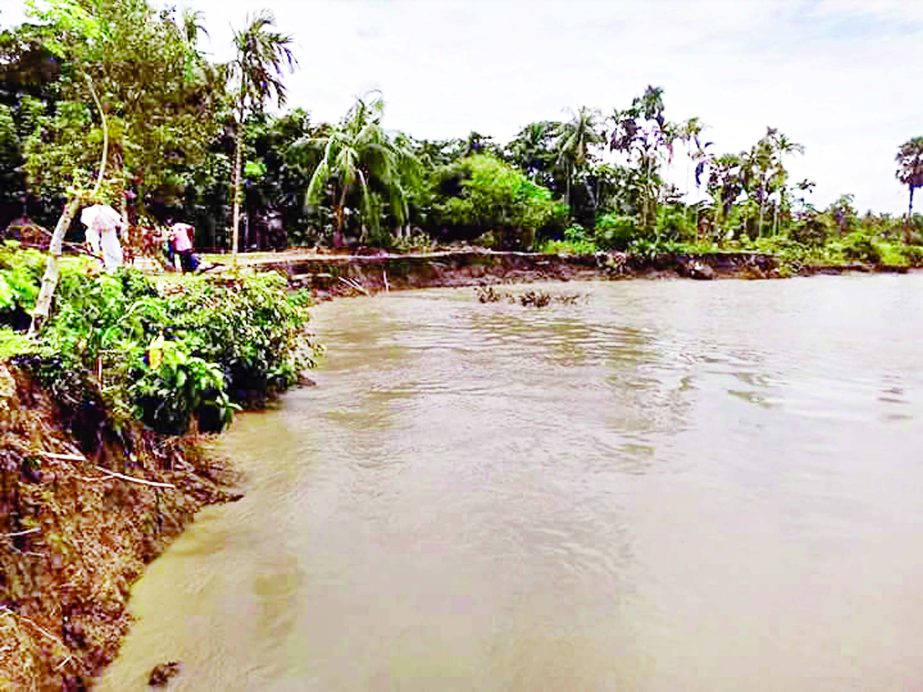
column 670, row 485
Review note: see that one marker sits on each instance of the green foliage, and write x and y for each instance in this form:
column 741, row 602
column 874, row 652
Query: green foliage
column 812, row 230
column 485, row 194
column 13, row 344
column 673, row 224
column 362, row 167
column 194, row 349
column 615, row 231
column 913, row 254
column 184, row 129
column 251, row 327
column 861, row 248
column 162, row 97
column 183, row 385
column 20, row 273
column 576, row 242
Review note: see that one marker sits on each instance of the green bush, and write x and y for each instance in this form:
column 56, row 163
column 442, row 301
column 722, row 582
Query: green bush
column 576, row 242
column 914, row 255
column 194, row 349
column 481, row 194
column 615, row 231
column 181, row 386
column 812, row 231
column 672, row 224
column 861, row 248
column 20, row 277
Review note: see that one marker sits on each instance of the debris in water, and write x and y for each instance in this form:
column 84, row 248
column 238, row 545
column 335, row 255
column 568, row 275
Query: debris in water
column 487, row 294
column 163, row 673
column 529, row 299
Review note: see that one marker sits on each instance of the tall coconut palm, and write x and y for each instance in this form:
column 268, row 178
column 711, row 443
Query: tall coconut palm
column 766, row 172
column 575, row 144
column 262, row 57
column 910, row 170
column 688, row 132
column 360, row 157
column 779, row 179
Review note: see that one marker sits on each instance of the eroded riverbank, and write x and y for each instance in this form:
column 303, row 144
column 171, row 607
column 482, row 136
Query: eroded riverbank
column 86, row 505
column 331, row 275
column 706, row 485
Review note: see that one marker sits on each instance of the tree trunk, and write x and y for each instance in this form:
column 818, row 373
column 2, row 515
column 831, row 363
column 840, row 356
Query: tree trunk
column 338, row 228
column 52, row 267
column 55, row 248
column 759, row 228
column 567, row 191
column 907, row 226
column 235, row 215
column 340, row 219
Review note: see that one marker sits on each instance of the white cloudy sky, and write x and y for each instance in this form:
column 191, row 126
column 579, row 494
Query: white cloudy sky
column 844, row 77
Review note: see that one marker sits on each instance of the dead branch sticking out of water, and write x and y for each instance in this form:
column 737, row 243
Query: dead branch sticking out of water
column 355, row 285
column 529, row 299
column 163, row 673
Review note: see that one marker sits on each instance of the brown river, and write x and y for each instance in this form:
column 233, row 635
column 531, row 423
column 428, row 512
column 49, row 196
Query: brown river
column 670, row 485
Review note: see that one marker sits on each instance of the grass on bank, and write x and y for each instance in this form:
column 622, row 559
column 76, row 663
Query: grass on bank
column 190, row 350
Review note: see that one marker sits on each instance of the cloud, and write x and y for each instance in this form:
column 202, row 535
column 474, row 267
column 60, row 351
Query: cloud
column 840, row 76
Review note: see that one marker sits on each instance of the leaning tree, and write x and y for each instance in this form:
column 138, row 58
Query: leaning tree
column 133, row 103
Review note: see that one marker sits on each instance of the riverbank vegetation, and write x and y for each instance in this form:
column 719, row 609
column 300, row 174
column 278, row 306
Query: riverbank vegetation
column 172, row 354
column 101, row 467
column 191, row 138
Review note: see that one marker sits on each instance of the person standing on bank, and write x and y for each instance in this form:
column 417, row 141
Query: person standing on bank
column 102, row 235
column 182, row 234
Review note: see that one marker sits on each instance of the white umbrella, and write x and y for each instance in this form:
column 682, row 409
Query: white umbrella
column 102, row 221
column 101, row 217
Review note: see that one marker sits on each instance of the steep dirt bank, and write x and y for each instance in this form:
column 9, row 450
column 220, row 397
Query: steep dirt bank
column 340, row 274
column 84, row 504
column 331, row 275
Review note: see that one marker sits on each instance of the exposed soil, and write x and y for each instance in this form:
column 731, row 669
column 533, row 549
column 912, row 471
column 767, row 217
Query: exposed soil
column 73, row 536
column 332, row 275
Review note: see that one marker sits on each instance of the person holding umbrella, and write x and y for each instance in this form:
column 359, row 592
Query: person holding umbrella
column 102, row 234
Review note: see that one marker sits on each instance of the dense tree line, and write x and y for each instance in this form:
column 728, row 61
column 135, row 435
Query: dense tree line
column 184, row 137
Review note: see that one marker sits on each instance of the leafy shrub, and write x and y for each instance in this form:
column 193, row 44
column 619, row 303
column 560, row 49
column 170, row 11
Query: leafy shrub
column 615, row 231
column 191, row 350
column 914, row 255
column 252, row 328
column 576, row 242
column 673, row 224
column 20, row 277
column 861, row 248
column 649, row 249
column 812, row 231
column 167, row 396
column 481, row 193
